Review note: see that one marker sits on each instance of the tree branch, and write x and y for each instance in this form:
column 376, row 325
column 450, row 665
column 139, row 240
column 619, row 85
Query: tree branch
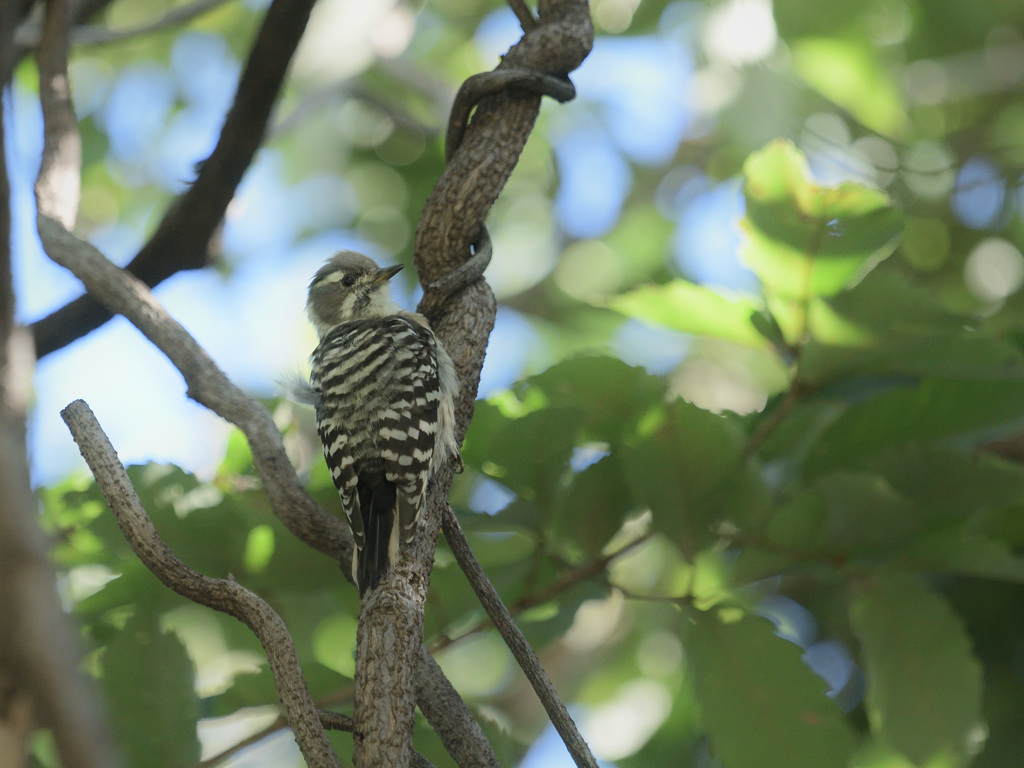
column 514, row 639
column 59, row 181
column 39, row 646
column 225, row 595
column 29, row 35
column 391, row 619
column 182, row 239
column 207, row 384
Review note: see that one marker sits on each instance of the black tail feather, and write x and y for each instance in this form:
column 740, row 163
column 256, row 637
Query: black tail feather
column 377, row 505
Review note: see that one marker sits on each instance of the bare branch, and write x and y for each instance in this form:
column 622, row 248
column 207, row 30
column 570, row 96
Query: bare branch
column 225, row 595
column 29, row 35
column 513, row 637
column 207, row 385
column 478, row 87
column 452, row 219
column 440, row 703
column 527, row 21
column 58, row 185
column 289, row 501
column 182, row 239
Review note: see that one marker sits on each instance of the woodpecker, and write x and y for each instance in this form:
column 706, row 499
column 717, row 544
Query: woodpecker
column 384, row 391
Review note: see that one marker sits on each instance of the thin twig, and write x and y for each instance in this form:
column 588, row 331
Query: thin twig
column 527, row 21
column 29, row 35
column 225, row 595
column 513, row 637
column 550, row 592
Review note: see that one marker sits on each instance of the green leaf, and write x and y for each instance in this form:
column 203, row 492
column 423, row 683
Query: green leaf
column 678, row 465
column 850, row 74
column 592, row 509
column 612, row 395
column 529, row 454
column 695, row 309
column 804, row 240
column 887, row 325
column 923, row 682
column 967, row 555
column 155, row 719
column 763, row 707
column 936, row 410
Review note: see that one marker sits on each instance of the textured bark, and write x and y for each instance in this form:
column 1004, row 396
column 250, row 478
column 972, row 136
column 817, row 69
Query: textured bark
column 450, row 222
column 224, row 595
column 445, row 710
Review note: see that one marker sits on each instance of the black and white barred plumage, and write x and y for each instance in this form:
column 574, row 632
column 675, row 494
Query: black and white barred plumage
column 384, row 390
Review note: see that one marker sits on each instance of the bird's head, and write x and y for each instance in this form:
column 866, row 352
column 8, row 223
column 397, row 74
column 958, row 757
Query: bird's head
column 350, row 286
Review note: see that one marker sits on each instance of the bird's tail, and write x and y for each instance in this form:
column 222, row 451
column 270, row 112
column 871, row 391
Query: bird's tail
column 377, row 499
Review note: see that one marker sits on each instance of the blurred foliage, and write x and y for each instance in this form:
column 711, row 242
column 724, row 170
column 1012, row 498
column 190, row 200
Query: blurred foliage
column 775, row 523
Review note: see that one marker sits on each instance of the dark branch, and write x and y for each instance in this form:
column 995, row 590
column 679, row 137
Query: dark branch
column 527, row 21
column 478, row 87
column 182, row 239
column 28, row 36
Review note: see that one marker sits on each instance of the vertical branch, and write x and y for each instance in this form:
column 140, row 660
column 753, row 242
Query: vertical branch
column 58, row 185
column 38, row 646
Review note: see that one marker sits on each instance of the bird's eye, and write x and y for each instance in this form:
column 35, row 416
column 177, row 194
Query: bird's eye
column 348, row 281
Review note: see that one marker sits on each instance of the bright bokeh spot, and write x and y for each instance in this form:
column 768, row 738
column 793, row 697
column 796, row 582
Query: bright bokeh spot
column 994, row 269
column 622, row 726
column 741, row 32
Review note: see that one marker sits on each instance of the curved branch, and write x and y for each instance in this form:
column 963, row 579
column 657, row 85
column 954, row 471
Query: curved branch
column 124, row 294
column 225, row 595
column 58, row 185
column 182, row 239
column 452, row 219
column 289, row 501
column 478, row 87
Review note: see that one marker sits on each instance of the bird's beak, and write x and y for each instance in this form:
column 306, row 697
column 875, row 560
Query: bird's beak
column 386, row 273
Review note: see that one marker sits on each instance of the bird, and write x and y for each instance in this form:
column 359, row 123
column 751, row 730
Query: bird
column 383, row 388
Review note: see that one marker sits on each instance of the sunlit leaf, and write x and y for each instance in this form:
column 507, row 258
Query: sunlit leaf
column 923, row 682
column 695, row 309
column 804, row 240
column 763, row 707
column 852, row 75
